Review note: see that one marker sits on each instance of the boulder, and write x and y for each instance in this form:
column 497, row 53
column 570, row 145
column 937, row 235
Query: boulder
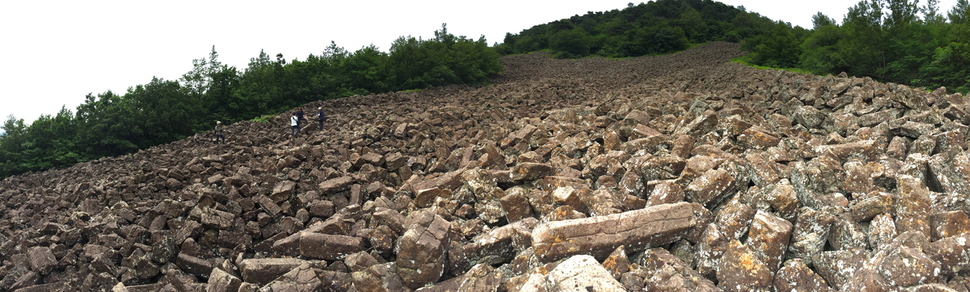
column 599, row 236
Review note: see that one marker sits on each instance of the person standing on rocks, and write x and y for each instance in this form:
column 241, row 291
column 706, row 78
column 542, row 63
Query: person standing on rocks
column 220, row 138
column 321, row 117
column 299, row 116
column 294, row 125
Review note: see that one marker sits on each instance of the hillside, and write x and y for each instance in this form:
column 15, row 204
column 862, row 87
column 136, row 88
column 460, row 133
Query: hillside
column 673, row 172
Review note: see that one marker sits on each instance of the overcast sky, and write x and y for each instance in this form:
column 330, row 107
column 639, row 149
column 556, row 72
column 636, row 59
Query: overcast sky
column 56, row 52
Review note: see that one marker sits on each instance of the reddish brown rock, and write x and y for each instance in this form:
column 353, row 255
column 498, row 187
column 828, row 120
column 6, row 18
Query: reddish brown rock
column 420, row 250
column 913, row 206
column 946, row 224
column 531, row 171
column 263, row 271
column 222, row 281
column 380, row 278
column 794, row 275
column 665, row 192
column 768, row 237
column 651, row 226
column 734, row 218
column 335, row 185
column 741, row 269
column 318, row 246
column 710, row 188
column 282, row 191
column 41, row 259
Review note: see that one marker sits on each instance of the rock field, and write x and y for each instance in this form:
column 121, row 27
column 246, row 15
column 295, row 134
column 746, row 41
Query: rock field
column 682, row 172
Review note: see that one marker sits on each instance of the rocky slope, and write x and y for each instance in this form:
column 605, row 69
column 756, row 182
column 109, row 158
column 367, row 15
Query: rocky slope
column 671, row 173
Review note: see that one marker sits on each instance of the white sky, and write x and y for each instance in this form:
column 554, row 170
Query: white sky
column 56, row 52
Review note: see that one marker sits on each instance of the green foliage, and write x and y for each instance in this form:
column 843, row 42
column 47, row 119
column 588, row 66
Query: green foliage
column 263, row 118
column 888, row 40
column 655, row 27
column 776, row 48
column 162, row 111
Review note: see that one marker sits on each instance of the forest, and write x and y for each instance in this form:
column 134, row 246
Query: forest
column 655, row 27
column 899, row 41
column 162, row 111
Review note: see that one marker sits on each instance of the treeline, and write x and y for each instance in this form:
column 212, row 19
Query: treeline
column 656, row 27
column 163, row 111
column 899, row 41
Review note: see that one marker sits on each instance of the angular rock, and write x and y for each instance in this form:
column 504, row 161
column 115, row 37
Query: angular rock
column 665, row 192
column 516, row 206
column 768, row 238
column 734, row 218
column 420, row 250
column 810, row 233
column 710, row 188
column 41, row 259
column 318, row 246
column 301, row 278
column 665, row 272
column 222, row 281
column 882, row 230
column 913, row 206
column 379, row 278
column 794, row 275
column 837, row 267
column 599, row 236
column 908, row 266
column 742, row 270
column 531, row 171
column 953, row 254
column 496, row 246
column 847, row 234
column 758, row 138
column 336, row 185
column 263, row 271
column 193, row 265
column 582, row 272
column 950, row 223
column 282, row 191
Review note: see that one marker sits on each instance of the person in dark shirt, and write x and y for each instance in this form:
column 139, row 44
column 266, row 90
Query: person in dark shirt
column 299, row 116
column 321, row 117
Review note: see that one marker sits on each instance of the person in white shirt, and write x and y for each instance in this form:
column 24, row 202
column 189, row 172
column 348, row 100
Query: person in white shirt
column 294, row 125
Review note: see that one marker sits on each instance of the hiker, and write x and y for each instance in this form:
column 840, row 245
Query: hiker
column 321, row 117
column 294, row 125
column 299, row 116
column 219, row 135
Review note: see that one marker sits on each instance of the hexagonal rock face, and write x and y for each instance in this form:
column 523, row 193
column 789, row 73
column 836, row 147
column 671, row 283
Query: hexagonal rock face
column 599, row 236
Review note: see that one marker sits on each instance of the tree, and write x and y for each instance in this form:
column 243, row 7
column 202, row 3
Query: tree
column 901, row 13
column 167, row 111
column 108, row 126
column 820, row 20
column 573, row 43
column 776, row 48
column 960, row 14
column 692, row 23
